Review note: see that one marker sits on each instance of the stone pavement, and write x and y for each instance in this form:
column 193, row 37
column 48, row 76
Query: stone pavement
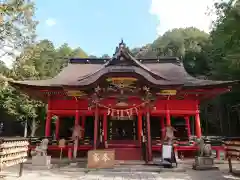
column 72, row 173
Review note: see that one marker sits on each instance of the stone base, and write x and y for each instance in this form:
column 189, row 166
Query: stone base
column 37, row 167
column 41, row 161
column 204, row 163
column 201, row 168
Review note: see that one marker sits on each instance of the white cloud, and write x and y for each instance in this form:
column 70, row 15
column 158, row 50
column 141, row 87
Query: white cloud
column 182, row 13
column 50, row 22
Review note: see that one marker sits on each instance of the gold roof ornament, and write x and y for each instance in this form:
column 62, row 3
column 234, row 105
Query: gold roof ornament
column 125, row 80
column 122, row 82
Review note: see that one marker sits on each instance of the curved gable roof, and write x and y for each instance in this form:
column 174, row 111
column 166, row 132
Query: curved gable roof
column 85, row 71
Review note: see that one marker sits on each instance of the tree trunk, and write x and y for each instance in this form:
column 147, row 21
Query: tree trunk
column 33, row 127
column 25, row 128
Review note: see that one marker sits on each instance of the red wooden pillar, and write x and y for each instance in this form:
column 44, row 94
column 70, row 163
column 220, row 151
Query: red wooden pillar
column 105, row 127
column 95, row 128
column 197, row 122
column 76, row 113
column 162, row 127
column 48, row 124
column 149, row 144
column 76, row 118
column 83, row 125
column 48, row 118
column 188, row 127
column 140, row 128
column 168, row 118
column 57, row 127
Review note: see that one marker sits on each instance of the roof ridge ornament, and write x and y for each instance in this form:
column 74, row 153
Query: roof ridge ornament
column 120, row 48
column 122, row 44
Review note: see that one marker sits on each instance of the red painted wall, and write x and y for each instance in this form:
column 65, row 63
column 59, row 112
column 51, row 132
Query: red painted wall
column 62, row 104
column 175, row 104
column 110, row 102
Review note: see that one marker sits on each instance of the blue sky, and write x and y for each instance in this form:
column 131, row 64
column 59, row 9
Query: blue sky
column 98, row 26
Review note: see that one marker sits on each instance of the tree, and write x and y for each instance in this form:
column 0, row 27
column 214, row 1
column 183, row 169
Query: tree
column 105, row 56
column 92, row 56
column 63, row 53
column 79, row 53
column 186, row 43
column 223, row 56
column 38, row 61
column 225, row 43
column 17, row 27
column 35, row 62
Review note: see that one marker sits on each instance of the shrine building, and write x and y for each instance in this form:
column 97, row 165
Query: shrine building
column 120, row 99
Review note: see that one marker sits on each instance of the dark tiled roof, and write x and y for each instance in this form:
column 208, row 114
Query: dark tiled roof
column 162, row 71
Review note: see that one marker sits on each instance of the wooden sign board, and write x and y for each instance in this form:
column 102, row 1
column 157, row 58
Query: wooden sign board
column 76, row 93
column 167, row 92
column 62, row 143
column 167, row 151
column 233, row 148
column 100, row 159
column 122, row 81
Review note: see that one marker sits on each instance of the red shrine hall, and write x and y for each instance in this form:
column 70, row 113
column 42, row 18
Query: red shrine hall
column 121, row 99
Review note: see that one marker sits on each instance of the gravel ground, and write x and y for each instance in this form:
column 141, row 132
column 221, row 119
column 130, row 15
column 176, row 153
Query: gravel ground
column 74, row 172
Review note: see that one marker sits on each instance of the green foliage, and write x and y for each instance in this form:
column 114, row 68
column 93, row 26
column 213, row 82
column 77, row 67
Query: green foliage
column 186, row 43
column 38, row 61
column 225, row 42
column 105, row 56
column 17, row 27
column 177, row 42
